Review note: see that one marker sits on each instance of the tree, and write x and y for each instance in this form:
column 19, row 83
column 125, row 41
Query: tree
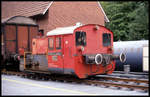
column 128, row 20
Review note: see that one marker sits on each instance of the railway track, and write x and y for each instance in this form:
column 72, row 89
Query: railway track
column 139, row 75
column 119, row 83
column 122, row 82
column 104, row 81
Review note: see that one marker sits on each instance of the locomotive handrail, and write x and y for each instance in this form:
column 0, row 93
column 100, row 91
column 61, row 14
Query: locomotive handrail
column 47, row 53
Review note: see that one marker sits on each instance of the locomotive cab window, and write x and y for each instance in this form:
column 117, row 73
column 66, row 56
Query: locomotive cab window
column 80, row 38
column 58, row 43
column 51, row 43
column 106, row 39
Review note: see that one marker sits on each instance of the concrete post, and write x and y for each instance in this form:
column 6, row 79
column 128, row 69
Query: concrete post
column 126, row 69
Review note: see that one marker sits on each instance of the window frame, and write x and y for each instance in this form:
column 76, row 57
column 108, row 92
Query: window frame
column 76, row 40
column 59, row 43
column 105, row 41
column 51, row 48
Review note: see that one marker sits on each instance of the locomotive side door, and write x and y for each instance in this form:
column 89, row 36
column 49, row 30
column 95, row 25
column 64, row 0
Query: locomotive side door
column 67, row 54
column 55, row 61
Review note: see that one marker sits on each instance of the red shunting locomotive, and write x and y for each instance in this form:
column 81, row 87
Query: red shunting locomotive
column 81, row 50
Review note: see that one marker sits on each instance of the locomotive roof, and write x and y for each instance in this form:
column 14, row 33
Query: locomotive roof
column 63, row 30
column 67, row 30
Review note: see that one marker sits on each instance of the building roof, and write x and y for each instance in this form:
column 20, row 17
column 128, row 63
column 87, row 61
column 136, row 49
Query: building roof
column 25, row 8
column 29, row 8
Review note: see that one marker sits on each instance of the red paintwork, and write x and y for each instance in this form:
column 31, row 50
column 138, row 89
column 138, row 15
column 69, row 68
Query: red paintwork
column 71, row 57
column 94, row 46
column 59, row 62
column 39, row 45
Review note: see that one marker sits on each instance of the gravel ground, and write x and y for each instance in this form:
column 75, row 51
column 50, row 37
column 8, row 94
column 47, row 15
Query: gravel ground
column 15, row 85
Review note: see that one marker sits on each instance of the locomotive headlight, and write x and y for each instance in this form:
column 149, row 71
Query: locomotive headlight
column 98, row 59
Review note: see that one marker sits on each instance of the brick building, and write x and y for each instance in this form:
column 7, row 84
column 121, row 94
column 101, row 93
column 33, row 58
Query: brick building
column 51, row 14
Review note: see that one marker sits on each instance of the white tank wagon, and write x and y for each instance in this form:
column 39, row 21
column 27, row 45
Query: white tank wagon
column 137, row 55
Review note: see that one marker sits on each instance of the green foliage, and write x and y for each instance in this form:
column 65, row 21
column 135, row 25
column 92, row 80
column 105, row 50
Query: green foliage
column 128, row 20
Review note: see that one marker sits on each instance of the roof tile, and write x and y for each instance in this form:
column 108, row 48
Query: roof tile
column 25, row 8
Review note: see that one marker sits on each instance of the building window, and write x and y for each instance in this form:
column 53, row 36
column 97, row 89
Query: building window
column 106, row 39
column 58, row 43
column 51, row 43
column 80, row 38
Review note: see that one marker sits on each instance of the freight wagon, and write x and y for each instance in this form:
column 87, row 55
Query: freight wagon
column 137, row 55
column 17, row 33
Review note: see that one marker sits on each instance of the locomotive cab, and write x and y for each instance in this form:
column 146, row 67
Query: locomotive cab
column 94, row 45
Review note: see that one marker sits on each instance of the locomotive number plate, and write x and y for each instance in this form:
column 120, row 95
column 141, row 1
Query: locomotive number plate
column 54, row 58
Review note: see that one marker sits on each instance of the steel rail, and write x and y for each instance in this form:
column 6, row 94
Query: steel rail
column 117, row 84
column 95, row 81
column 123, row 79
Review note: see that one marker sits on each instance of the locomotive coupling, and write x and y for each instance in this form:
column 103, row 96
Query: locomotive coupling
column 103, row 58
column 94, row 59
column 121, row 57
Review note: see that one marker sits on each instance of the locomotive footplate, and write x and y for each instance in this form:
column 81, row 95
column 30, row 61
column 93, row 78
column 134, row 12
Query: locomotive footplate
column 36, row 71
